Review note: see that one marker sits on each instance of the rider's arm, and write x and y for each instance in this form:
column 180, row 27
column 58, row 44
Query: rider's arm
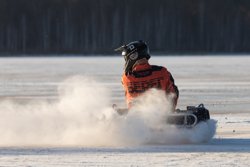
column 170, row 86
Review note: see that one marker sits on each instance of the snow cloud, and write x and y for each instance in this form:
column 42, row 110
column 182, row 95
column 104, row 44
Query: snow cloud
column 83, row 116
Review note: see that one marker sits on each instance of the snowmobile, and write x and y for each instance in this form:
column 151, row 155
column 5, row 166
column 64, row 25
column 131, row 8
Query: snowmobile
column 189, row 117
column 181, row 118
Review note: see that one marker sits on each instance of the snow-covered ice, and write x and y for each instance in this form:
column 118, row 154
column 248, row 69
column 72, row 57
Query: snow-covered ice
column 42, row 121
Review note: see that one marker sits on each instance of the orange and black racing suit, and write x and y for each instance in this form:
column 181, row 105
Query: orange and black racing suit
column 146, row 76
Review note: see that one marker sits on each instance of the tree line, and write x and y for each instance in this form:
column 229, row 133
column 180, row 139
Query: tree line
column 99, row 26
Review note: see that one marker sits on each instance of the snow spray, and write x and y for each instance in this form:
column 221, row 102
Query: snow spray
column 83, row 116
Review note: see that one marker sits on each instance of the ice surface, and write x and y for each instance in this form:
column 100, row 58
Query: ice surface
column 42, row 86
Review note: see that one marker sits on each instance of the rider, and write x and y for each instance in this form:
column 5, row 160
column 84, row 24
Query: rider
column 140, row 76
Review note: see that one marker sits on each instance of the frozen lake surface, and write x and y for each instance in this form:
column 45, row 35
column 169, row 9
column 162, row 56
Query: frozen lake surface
column 221, row 83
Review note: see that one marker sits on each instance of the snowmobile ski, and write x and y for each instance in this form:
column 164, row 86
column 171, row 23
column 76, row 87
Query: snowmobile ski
column 188, row 120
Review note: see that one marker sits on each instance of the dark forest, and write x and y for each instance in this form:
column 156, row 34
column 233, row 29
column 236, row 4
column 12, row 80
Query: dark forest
column 99, row 26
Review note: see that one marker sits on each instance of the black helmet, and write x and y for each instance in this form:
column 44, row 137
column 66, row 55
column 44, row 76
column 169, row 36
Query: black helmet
column 132, row 52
